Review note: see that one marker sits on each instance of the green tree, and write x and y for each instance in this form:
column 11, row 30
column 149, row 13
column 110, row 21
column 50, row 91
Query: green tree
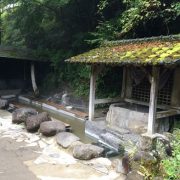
column 59, row 29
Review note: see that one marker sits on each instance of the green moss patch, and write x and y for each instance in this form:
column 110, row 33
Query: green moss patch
column 143, row 52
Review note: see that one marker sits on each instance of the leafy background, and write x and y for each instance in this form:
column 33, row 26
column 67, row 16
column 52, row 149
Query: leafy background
column 60, row 29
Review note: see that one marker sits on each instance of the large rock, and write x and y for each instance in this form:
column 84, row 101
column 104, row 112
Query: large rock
column 20, row 115
column 4, row 103
column 33, row 122
column 142, row 158
column 87, row 151
column 51, row 128
column 66, row 139
column 146, row 143
column 162, row 145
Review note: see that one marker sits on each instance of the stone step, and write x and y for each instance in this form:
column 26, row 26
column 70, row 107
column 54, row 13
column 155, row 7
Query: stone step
column 116, row 140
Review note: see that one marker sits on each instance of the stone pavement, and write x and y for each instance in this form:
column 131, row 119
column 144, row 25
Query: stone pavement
column 26, row 156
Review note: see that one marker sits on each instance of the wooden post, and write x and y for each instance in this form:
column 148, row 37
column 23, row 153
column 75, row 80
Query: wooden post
column 153, row 100
column 123, row 83
column 33, row 79
column 92, row 93
column 129, row 84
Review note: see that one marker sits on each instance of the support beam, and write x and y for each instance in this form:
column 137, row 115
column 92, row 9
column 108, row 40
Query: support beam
column 129, row 82
column 108, row 100
column 33, row 79
column 147, row 104
column 153, row 100
column 123, row 83
column 92, row 93
column 168, row 113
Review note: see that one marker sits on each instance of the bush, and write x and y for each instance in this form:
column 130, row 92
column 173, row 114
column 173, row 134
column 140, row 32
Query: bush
column 171, row 165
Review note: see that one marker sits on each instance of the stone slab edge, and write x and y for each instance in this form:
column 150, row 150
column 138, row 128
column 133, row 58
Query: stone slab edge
column 46, row 107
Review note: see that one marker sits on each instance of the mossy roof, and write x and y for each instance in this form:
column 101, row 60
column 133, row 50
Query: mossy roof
column 19, row 53
column 146, row 51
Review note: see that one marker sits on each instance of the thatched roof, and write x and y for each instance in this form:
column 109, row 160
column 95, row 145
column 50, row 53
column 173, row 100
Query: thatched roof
column 145, row 51
column 19, row 53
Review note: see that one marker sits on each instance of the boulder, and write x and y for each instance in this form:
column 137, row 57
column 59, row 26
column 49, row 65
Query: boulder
column 87, row 151
column 143, row 157
column 4, row 103
column 66, row 139
column 51, row 128
column 146, row 143
column 33, row 122
column 162, row 145
column 44, row 116
column 71, row 147
column 20, row 115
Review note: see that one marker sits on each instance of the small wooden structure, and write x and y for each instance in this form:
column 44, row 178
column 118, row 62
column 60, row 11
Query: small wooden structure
column 14, row 53
column 154, row 57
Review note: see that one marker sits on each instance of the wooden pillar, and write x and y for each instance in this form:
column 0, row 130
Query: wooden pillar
column 153, row 100
column 33, row 79
column 123, row 83
column 92, row 93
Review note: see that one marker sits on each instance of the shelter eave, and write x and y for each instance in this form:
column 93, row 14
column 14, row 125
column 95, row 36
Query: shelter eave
column 19, row 54
column 140, row 52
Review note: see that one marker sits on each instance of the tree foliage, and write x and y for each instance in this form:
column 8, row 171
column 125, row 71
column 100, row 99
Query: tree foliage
column 138, row 18
column 59, row 29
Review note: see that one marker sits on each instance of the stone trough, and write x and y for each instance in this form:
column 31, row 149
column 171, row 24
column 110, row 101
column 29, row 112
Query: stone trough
column 123, row 126
column 127, row 116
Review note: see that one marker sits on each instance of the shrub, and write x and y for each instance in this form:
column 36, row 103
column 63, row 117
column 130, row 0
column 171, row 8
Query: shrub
column 170, row 166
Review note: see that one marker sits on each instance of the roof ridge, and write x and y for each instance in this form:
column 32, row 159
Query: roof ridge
column 145, row 39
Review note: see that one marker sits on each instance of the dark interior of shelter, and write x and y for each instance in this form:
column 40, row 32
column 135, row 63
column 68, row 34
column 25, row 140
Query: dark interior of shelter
column 16, row 74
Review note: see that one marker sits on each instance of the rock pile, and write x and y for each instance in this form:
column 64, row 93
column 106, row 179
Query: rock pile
column 35, row 121
column 20, row 115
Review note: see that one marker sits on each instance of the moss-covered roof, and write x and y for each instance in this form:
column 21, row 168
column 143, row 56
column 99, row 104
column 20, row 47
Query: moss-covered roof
column 146, row 51
column 19, row 53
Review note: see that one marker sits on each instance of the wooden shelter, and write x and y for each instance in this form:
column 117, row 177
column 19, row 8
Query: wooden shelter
column 154, row 57
column 22, row 54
